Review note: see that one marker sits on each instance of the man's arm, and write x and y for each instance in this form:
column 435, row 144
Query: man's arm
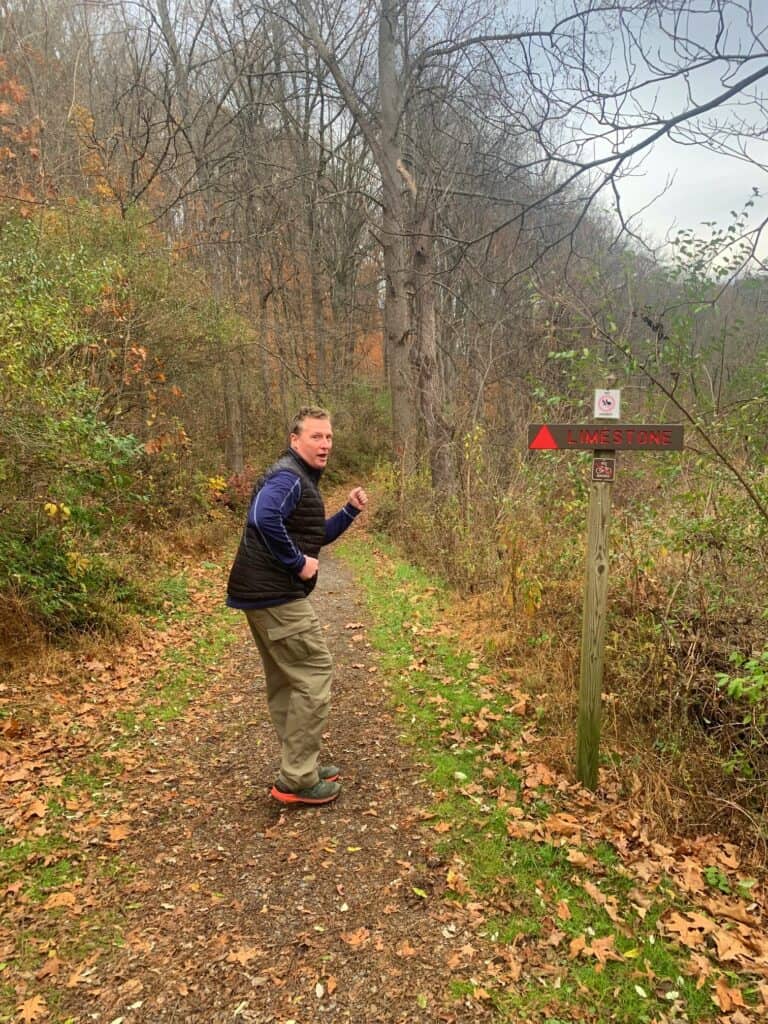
column 270, row 508
column 338, row 523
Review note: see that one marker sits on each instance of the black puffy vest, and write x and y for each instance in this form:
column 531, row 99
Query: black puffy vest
column 256, row 575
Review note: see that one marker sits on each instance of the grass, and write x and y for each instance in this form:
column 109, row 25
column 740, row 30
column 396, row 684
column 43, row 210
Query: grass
column 442, row 694
column 39, row 862
column 184, row 672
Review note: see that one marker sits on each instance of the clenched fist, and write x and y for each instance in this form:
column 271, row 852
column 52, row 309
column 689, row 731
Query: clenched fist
column 309, row 569
column 358, row 498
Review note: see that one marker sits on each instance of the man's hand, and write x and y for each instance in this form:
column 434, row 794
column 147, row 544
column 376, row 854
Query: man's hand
column 358, row 498
column 309, row 569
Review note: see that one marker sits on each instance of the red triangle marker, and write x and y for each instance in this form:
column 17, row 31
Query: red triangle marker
column 543, row 440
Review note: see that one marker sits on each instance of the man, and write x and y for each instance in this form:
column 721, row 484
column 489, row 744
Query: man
column 274, row 572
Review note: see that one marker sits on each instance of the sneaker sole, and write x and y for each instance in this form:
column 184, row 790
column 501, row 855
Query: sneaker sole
column 294, row 798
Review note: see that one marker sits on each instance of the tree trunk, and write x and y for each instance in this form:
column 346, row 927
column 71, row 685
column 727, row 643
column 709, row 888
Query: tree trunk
column 426, row 359
column 398, row 307
column 318, row 310
column 233, row 415
column 398, row 338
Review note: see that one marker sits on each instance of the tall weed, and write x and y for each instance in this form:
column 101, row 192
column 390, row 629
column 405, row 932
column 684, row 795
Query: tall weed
column 686, row 591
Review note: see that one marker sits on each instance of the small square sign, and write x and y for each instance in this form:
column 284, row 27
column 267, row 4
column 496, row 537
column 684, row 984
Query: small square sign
column 607, row 404
column 603, row 470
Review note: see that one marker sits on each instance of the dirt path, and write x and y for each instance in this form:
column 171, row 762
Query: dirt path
column 237, row 909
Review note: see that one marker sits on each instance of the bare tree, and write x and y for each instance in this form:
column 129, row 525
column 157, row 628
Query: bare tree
column 570, row 97
column 473, row 144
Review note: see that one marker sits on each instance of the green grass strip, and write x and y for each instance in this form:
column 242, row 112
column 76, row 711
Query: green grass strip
column 440, row 692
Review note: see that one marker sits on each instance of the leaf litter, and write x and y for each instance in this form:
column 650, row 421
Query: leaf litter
column 216, row 899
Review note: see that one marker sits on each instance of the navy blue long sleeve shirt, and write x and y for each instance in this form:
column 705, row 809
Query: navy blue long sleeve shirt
column 273, row 505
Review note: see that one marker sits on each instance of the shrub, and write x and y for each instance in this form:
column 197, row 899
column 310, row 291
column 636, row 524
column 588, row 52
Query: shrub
column 69, row 473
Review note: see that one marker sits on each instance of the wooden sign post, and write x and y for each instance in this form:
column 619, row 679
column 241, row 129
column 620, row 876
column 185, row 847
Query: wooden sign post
column 604, row 440
column 594, row 617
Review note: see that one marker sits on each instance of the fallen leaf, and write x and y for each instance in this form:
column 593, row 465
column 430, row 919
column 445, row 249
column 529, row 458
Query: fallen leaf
column 49, row 969
column 731, row 909
column 602, row 949
column 582, row 860
column 725, row 997
column 538, row 775
column 36, row 809
column 405, row 949
column 358, row 937
column 33, row 1009
column 690, row 929
column 730, row 946
column 243, row 955
column 608, row 902
column 562, row 825
column 60, row 899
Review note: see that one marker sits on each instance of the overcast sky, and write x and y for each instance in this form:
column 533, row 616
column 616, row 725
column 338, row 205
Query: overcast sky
column 705, row 187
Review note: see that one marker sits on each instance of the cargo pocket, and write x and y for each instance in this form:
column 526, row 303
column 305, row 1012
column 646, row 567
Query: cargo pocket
column 299, row 643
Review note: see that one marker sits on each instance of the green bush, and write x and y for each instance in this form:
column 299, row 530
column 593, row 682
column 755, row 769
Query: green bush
column 69, row 474
column 748, row 690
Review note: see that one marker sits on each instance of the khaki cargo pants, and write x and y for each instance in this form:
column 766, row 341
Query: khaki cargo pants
column 297, row 667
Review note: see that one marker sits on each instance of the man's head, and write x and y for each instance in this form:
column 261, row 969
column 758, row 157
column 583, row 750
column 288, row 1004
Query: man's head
column 312, row 436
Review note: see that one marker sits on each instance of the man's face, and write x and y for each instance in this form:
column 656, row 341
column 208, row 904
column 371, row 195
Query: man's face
column 313, row 442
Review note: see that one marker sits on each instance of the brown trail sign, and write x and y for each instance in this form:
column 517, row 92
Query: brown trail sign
column 604, row 439
column 658, row 437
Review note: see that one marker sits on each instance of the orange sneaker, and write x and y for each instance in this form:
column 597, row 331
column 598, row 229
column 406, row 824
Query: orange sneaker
column 322, row 792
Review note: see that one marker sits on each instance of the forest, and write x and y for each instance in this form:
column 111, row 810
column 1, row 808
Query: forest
column 213, row 212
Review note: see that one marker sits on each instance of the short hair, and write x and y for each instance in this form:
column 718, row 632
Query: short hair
column 308, row 412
